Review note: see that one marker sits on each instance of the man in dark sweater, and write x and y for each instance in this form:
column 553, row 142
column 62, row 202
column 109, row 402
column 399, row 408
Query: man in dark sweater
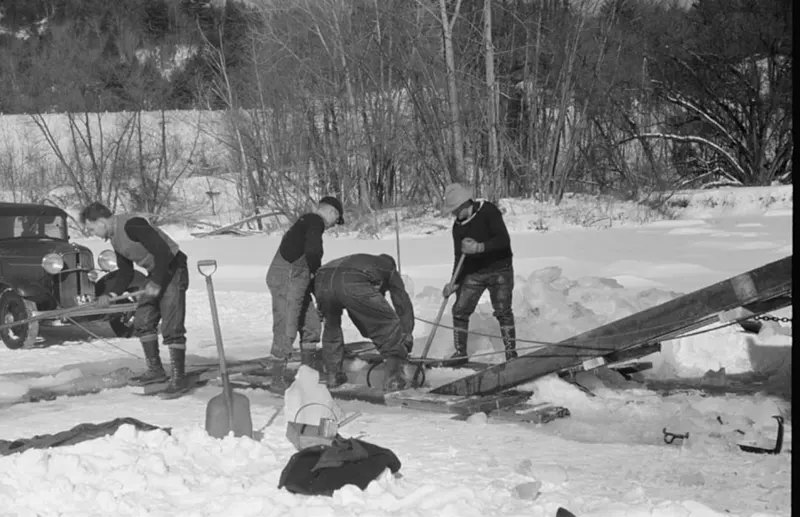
column 136, row 241
column 358, row 284
column 480, row 233
column 289, row 280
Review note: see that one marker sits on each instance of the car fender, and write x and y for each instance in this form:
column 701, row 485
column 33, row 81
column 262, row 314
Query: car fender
column 30, row 291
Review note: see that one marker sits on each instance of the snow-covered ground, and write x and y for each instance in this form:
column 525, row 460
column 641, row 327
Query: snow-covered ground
column 608, row 459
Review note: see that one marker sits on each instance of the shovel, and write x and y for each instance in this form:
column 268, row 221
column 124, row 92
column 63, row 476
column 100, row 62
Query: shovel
column 227, row 411
column 429, row 342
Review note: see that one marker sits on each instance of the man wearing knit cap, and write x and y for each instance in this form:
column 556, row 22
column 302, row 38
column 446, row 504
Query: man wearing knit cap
column 358, row 284
column 137, row 242
column 480, row 233
column 289, row 280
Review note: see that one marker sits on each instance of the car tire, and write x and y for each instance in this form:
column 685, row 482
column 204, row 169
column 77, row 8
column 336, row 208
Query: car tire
column 14, row 307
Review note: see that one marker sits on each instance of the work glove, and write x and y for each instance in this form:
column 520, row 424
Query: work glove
column 104, row 300
column 151, row 290
column 449, row 289
column 471, row 246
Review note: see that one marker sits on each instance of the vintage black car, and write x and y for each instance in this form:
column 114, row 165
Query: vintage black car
column 45, row 278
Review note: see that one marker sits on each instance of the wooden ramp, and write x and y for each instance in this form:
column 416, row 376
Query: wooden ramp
column 760, row 290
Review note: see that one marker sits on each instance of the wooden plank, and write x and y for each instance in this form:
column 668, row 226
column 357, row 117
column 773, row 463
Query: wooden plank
column 227, row 227
column 490, row 403
column 609, row 360
column 629, row 369
column 507, row 406
column 669, row 319
column 201, row 374
column 426, row 401
column 376, row 358
column 541, row 413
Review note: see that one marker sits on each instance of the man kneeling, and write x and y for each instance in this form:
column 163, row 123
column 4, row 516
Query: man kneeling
column 358, row 284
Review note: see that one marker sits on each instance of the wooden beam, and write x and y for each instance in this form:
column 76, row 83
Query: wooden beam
column 666, row 321
column 223, row 229
column 465, row 406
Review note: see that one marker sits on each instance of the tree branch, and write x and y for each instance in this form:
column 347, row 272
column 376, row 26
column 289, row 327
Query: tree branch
column 698, row 140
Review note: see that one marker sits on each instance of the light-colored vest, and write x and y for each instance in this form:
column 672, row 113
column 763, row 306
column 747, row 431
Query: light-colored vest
column 134, row 250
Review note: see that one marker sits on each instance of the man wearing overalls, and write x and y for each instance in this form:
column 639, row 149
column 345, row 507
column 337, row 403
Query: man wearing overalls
column 289, row 280
column 136, row 241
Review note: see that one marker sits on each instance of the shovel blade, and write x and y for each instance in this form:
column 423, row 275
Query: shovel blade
column 217, row 423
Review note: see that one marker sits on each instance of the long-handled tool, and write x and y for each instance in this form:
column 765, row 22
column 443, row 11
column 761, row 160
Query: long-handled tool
column 72, row 311
column 397, row 240
column 428, row 343
column 227, row 411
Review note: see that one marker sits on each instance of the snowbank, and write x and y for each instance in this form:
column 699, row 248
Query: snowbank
column 550, row 307
column 190, row 474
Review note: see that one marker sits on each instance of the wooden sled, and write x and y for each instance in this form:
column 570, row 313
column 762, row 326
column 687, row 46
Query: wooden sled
column 201, row 375
column 511, row 406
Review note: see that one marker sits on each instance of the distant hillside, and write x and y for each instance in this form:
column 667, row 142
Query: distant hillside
column 73, row 55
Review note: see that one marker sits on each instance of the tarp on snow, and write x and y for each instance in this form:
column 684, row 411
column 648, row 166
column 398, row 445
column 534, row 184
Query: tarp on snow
column 79, row 433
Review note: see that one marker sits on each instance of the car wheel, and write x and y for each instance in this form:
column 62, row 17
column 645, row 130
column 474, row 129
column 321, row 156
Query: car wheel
column 14, row 307
column 122, row 324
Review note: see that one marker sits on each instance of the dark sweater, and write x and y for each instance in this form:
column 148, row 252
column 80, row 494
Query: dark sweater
column 304, row 238
column 486, row 225
column 139, row 230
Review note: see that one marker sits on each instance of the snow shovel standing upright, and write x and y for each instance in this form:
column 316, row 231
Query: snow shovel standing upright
column 227, row 411
column 428, row 343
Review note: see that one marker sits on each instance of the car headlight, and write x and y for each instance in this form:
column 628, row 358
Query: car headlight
column 53, row 263
column 107, row 260
column 94, row 275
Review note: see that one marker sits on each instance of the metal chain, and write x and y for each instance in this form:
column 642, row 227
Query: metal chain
column 772, row 318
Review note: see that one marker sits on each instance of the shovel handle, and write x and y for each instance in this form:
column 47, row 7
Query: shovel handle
column 227, row 391
column 428, row 343
column 207, row 267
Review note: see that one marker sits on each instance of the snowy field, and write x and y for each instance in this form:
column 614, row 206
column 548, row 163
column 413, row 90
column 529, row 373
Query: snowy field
column 608, row 459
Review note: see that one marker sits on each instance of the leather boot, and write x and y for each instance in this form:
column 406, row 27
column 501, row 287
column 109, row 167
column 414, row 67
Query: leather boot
column 395, row 376
column 460, row 337
column 178, row 382
column 509, row 335
column 278, row 383
column 155, row 370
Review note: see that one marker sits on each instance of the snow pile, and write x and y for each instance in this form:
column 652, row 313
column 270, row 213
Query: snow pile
column 550, row 307
column 627, row 413
column 191, row 474
column 132, row 471
column 702, row 204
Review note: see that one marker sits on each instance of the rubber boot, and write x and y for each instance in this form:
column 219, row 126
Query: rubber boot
column 333, row 358
column 335, row 379
column 395, row 376
column 155, row 370
column 178, row 382
column 460, row 337
column 509, row 335
column 278, row 382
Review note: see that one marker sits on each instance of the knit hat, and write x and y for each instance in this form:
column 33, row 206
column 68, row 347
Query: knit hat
column 455, row 195
column 335, row 203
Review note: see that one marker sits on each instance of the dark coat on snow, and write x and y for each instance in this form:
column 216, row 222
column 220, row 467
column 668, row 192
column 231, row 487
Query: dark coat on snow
column 321, row 470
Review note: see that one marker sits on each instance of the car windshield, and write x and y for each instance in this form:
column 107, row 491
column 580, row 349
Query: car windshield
column 43, row 226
